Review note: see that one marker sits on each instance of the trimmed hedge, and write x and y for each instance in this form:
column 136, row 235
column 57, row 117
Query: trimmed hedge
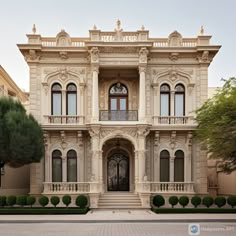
column 3, row 201
column 207, row 201
column 231, row 200
column 158, row 201
column 11, row 200
column 173, row 200
column 81, row 201
column 194, row 210
column 55, row 200
column 196, row 201
column 220, row 201
column 183, row 201
column 43, row 201
column 30, row 200
column 66, row 199
column 21, row 200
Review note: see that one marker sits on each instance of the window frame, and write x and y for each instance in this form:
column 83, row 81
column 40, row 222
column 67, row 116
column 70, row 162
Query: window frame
column 71, row 92
column 55, row 92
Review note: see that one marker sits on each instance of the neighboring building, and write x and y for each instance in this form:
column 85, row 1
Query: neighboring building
column 219, row 183
column 117, row 111
column 13, row 180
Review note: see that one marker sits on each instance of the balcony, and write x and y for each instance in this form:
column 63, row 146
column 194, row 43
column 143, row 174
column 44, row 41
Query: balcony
column 174, row 120
column 63, row 119
column 106, row 115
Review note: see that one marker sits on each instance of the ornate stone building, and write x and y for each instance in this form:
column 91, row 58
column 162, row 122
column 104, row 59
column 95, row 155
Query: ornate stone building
column 117, row 111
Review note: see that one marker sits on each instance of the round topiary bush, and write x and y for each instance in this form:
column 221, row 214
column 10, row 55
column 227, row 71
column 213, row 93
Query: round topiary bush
column 30, row 200
column 66, row 199
column 207, row 201
column 81, row 201
column 43, row 201
column 173, row 200
column 220, row 201
column 21, row 200
column 196, row 201
column 231, row 200
column 55, row 200
column 11, row 200
column 3, row 201
column 158, row 201
column 183, row 201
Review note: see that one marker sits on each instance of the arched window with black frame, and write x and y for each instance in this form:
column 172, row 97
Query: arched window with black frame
column 165, row 100
column 179, row 100
column 56, row 99
column 164, row 166
column 71, row 166
column 179, row 166
column 71, row 100
column 56, row 166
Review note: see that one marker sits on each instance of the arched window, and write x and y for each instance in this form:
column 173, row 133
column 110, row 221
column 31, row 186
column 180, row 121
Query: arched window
column 118, row 97
column 165, row 100
column 164, row 166
column 179, row 166
column 179, row 100
column 56, row 166
column 71, row 166
column 71, row 100
column 56, row 100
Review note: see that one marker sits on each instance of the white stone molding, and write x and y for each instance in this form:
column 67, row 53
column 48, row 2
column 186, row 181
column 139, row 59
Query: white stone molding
column 175, row 39
column 94, row 55
column 63, row 39
column 143, row 55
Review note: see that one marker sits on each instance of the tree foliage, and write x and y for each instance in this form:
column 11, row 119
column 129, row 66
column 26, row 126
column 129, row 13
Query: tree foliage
column 217, row 125
column 21, row 137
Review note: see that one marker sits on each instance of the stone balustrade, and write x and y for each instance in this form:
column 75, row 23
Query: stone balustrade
column 63, row 119
column 169, row 120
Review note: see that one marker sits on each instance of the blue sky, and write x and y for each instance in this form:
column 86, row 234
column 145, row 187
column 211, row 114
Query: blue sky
column 77, row 17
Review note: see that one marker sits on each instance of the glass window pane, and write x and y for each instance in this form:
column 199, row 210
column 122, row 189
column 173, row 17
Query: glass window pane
column 164, row 104
column 71, row 169
column 56, row 170
column 123, row 104
column 71, row 104
column 113, row 104
column 56, row 104
column 179, row 166
column 164, row 166
column 179, row 105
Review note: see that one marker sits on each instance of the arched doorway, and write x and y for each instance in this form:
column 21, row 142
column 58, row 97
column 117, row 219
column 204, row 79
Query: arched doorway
column 118, row 171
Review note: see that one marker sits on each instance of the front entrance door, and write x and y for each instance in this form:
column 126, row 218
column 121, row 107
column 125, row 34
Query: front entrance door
column 118, row 172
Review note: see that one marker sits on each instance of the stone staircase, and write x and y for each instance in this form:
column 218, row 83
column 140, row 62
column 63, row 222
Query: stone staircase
column 119, row 200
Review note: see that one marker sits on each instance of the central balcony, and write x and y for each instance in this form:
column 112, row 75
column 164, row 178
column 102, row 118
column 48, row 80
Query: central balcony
column 110, row 115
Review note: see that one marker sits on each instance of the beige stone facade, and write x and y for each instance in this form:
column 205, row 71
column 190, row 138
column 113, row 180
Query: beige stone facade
column 122, row 103
column 13, row 180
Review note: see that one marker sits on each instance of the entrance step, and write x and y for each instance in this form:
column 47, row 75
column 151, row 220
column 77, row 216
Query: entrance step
column 118, row 200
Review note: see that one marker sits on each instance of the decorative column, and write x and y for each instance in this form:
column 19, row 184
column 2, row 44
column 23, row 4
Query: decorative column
column 172, row 103
column 172, row 157
column 94, row 55
column 80, row 157
column 142, row 83
column 156, row 167
column 47, row 162
column 156, row 102
column 81, row 103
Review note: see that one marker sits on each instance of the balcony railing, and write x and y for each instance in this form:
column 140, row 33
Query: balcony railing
column 175, row 120
column 63, row 119
column 106, row 115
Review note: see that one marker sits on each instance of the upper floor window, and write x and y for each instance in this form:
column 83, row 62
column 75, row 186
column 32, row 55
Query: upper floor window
column 165, row 100
column 56, row 166
column 71, row 166
column 118, row 97
column 71, row 100
column 179, row 100
column 164, row 166
column 56, row 99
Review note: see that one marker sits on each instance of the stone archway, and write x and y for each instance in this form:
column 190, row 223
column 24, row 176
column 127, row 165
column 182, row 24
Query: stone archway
column 118, row 165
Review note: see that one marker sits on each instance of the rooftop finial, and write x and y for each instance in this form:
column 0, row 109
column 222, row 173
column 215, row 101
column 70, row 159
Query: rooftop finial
column 118, row 24
column 202, row 30
column 34, row 29
column 142, row 27
column 94, row 27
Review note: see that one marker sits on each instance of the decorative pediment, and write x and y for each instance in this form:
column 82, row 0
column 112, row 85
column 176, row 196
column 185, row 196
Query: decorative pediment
column 175, row 39
column 63, row 39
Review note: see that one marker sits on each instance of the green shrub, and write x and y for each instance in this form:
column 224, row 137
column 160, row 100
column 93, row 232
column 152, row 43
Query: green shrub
column 207, row 201
column 55, row 200
column 66, row 199
column 183, row 201
column 43, row 201
column 3, row 201
column 196, row 201
column 231, row 200
column 158, row 201
column 21, row 200
column 30, row 200
column 81, row 201
column 11, row 200
column 220, row 201
column 173, row 200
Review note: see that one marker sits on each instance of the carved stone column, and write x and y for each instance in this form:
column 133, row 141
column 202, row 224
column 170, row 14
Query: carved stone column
column 81, row 104
column 156, row 102
column 63, row 102
column 156, row 167
column 188, row 159
column 81, row 160
column 172, row 163
column 172, row 103
column 47, row 162
column 172, row 157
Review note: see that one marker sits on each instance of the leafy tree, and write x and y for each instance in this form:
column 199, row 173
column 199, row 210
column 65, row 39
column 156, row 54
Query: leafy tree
column 21, row 137
column 216, row 120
